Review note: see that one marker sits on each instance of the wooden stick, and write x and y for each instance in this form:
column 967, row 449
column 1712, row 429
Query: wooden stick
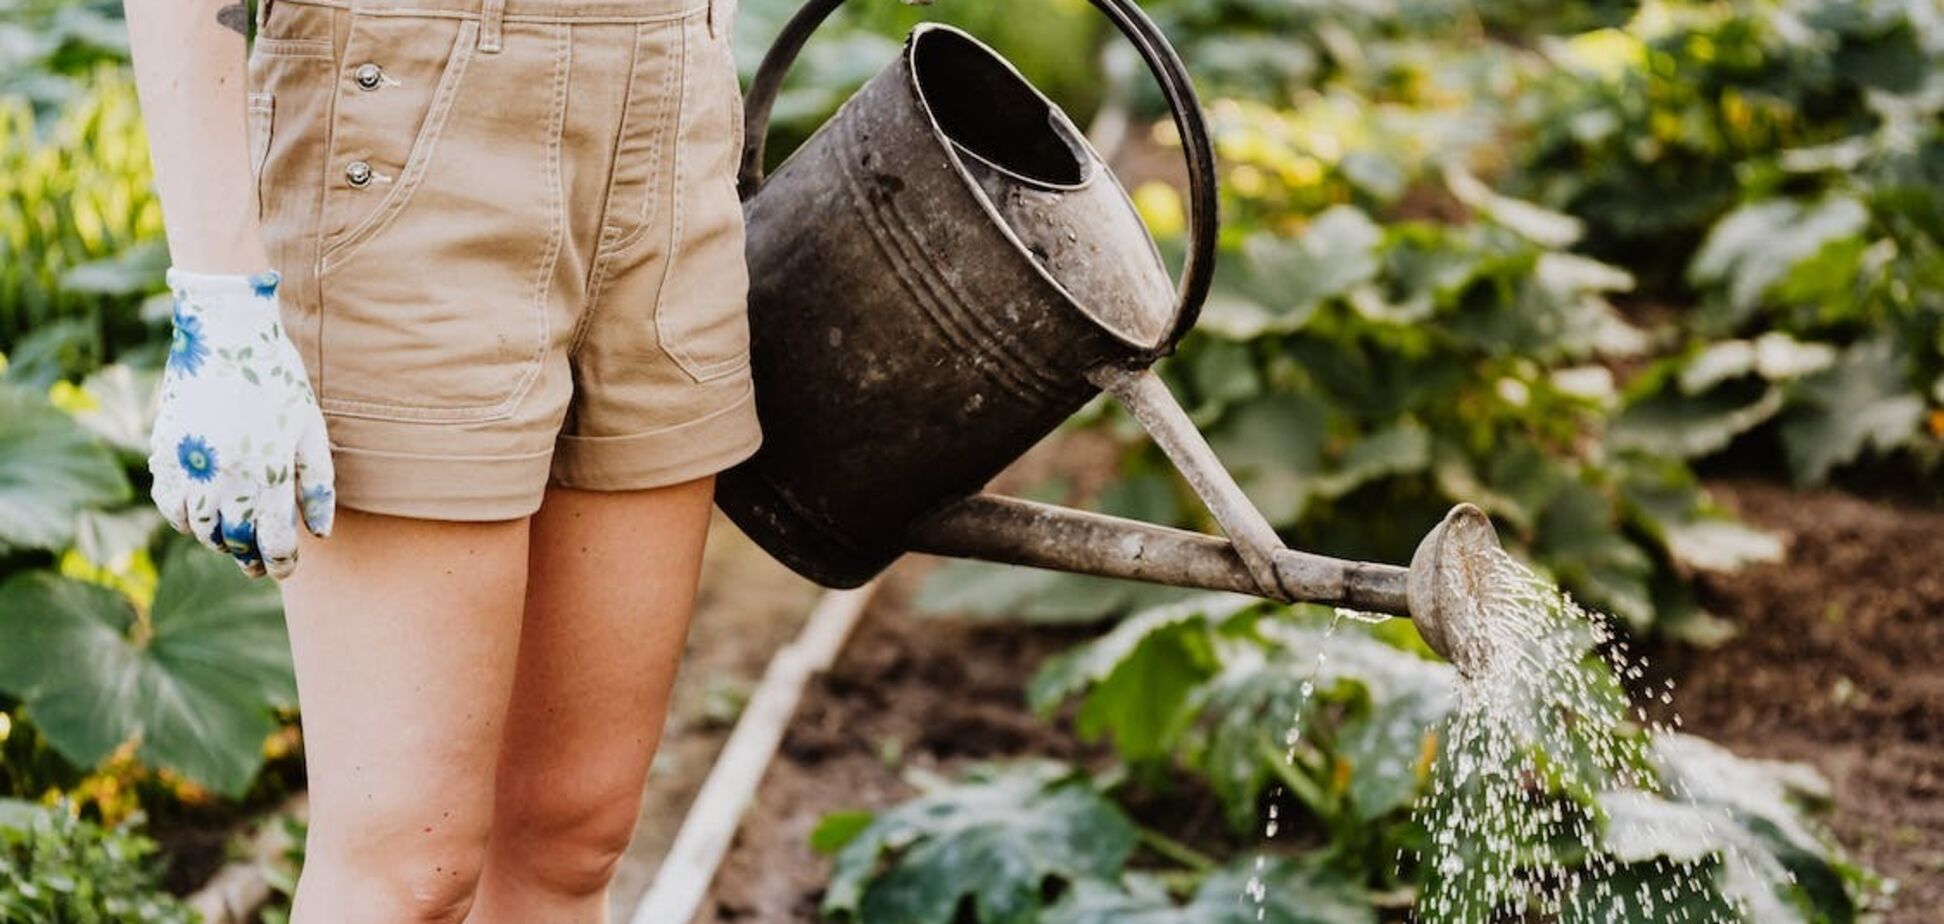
column 240, row 889
column 683, row 880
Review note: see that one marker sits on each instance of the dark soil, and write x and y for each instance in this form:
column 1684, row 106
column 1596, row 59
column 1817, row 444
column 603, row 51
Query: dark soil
column 910, row 692
column 1837, row 664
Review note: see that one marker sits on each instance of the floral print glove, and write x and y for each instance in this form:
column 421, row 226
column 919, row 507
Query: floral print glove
column 239, row 449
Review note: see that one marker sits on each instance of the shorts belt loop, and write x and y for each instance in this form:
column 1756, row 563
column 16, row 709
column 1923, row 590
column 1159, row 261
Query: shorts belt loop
column 491, row 16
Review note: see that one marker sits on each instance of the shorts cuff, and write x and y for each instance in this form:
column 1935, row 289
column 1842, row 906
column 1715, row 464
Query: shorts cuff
column 440, row 487
column 656, row 458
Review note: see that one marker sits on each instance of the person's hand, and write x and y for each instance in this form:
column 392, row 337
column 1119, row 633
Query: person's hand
column 239, row 450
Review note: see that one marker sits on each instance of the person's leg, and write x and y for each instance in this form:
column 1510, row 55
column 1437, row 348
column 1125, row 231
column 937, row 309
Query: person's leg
column 611, row 583
column 405, row 634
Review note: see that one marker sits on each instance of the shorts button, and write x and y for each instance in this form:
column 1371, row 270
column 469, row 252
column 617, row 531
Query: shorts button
column 368, row 76
column 358, row 173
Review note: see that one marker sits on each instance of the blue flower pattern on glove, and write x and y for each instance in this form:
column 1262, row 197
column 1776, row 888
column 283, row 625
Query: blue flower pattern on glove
column 265, row 284
column 197, row 459
column 240, row 538
column 319, row 505
column 187, row 346
column 239, row 451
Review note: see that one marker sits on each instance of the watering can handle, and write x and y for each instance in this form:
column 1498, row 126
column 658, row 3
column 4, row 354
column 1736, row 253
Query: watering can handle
column 1162, row 62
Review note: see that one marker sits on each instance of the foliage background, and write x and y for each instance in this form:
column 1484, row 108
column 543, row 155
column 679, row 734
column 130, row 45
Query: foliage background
column 1559, row 259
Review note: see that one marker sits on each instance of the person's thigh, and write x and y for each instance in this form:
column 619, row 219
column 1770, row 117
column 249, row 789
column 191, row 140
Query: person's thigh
column 405, row 634
column 611, row 583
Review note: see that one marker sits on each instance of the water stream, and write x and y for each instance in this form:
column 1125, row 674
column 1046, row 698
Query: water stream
column 1544, row 712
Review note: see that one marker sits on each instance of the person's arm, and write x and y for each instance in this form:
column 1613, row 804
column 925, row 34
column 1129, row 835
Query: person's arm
column 189, row 75
column 239, row 450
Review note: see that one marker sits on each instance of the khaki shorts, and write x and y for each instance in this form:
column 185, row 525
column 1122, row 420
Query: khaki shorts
column 510, row 240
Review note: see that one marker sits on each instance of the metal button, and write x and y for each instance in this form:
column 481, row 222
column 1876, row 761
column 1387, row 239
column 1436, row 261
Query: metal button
column 358, row 173
column 368, row 76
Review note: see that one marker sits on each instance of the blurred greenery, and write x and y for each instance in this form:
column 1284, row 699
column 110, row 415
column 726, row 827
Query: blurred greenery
column 1557, row 259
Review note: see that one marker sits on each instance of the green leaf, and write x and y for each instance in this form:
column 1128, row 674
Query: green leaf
column 1086, row 665
column 134, row 271
column 1276, row 283
column 1542, row 226
column 1863, row 402
column 1402, row 448
column 1142, row 702
column 1292, row 893
column 50, row 470
column 1721, row 545
column 1273, row 444
column 1382, row 702
column 197, row 692
column 1755, row 246
column 119, row 411
column 103, row 537
column 839, row 828
column 996, row 842
column 1688, row 425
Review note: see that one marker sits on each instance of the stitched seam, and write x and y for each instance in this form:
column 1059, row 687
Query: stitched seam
column 340, row 36
column 675, row 214
column 657, row 142
column 607, row 250
column 592, row 19
column 597, row 273
column 557, row 212
column 340, row 248
column 697, row 370
column 391, row 454
column 735, row 406
column 292, row 48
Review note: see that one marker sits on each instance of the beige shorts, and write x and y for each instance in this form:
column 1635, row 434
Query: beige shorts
column 510, row 240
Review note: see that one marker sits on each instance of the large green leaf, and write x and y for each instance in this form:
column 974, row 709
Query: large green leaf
column 1277, row 283
column 994, row 842
column 50, row 470
column 1864, row 401
column 195, row 683
column 1273, row 444
column 1689, row 425
column 1733, row 826
column 1755, row 246
column 1291, row 893
column 116, row 403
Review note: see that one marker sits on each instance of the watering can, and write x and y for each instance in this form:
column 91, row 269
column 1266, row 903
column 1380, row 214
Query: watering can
column 943, row 273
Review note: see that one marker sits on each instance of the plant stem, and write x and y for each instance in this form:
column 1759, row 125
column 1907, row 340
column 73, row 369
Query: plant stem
column 1175, row 850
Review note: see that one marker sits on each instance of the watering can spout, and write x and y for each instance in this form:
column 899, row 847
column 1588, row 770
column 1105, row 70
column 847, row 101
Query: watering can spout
column 1439, row 592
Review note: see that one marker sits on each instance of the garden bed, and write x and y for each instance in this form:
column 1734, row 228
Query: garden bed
column 1829, row 668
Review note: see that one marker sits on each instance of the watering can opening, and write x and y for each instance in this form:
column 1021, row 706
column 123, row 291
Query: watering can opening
column 990, row 113
column 1045, row 191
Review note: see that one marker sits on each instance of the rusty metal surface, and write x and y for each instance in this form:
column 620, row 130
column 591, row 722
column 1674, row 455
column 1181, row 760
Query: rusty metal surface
column 1021, row 532
column 905, row 346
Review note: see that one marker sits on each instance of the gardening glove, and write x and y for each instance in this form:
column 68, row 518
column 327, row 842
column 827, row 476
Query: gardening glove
column 239, row 449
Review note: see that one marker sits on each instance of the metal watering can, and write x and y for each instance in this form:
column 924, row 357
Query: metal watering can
column 944, row 272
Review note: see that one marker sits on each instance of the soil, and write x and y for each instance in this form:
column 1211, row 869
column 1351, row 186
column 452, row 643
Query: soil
column 1836, row 664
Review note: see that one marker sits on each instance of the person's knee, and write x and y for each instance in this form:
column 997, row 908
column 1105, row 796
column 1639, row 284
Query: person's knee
column 568, row 839
column 424, row 874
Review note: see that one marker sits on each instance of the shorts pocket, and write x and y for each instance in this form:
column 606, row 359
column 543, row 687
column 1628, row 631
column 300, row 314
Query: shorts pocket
column 396, row 88
column 435, row 272
column 701, row 318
